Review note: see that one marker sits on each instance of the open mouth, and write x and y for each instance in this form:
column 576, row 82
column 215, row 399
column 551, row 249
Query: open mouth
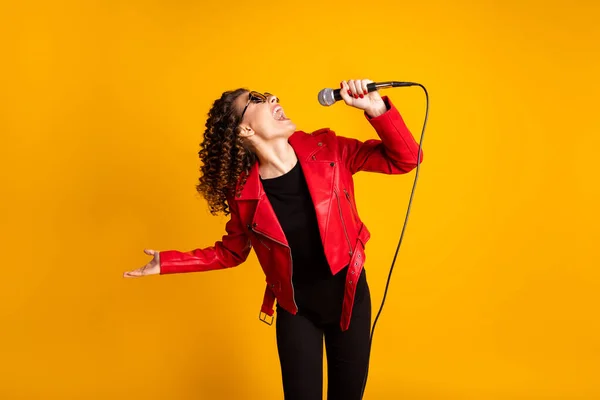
column 278, row 114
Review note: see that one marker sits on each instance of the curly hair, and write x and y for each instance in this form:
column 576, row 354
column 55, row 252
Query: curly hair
column 224, row 156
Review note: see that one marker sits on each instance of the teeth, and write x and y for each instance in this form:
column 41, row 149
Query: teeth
column 278, row 114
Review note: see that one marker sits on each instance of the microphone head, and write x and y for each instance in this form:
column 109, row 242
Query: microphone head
column 326, row 97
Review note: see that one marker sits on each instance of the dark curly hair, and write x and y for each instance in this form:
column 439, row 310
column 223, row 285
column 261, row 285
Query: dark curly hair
column 224, row 156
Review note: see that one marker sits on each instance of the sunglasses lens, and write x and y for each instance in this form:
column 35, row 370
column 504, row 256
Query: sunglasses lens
column 257, row 97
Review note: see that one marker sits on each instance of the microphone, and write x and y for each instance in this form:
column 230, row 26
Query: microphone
column 329, row 96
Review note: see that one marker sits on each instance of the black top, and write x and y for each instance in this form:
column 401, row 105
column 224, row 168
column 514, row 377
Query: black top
column 318, row 293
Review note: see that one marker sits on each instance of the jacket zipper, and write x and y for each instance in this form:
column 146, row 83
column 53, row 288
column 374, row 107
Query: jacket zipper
column 351, row 206
column 291, row 262
column 342, row 218
column 263, row 243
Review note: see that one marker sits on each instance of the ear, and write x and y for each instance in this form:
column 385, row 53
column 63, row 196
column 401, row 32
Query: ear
column 245, row 131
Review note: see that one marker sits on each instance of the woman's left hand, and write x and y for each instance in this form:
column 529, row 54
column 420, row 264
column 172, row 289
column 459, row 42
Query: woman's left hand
column 355, row 94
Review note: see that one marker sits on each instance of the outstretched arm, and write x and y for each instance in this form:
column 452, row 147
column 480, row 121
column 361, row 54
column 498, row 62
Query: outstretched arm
column 230, row 251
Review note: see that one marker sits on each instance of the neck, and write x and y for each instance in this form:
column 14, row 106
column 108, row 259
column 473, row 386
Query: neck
column 275, row 158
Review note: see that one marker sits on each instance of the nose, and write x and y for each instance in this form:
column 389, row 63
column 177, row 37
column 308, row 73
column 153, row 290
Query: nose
column 272, row 99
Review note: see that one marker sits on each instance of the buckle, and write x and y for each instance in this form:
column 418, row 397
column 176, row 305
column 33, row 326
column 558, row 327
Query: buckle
column 265, row 318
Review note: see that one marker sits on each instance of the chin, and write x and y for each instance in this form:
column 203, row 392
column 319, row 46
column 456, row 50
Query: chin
column 292, row 126
column 289, row 128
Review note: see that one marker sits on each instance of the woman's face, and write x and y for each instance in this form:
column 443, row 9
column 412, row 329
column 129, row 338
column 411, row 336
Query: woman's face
column 263, row 121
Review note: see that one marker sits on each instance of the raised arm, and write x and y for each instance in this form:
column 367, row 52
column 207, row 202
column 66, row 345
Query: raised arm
column 394, row 153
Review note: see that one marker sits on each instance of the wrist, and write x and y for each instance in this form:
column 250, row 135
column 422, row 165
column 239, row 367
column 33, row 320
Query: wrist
column 377, row 110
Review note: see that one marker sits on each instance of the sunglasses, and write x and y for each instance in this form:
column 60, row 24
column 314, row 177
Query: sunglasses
column 257, row 97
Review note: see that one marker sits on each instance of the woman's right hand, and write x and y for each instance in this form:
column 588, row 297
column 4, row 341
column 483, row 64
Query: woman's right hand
column 152, row 268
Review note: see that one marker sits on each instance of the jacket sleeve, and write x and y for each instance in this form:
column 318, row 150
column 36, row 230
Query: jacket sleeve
column 230, row 251
column 394, row 153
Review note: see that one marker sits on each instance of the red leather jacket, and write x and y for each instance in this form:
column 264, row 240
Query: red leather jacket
column 328, row 162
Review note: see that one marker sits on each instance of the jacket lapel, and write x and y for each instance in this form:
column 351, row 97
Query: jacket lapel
column 317, row 162
column 255, row 209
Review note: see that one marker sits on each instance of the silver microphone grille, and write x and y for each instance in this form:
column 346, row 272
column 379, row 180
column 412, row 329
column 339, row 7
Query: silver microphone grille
column 326, row 97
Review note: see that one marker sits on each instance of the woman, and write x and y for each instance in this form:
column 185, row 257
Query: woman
column 290, row 195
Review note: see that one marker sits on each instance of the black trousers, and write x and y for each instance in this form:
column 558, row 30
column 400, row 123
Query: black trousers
column 300, row 347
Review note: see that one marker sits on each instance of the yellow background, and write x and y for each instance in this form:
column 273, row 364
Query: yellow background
column 103, row 104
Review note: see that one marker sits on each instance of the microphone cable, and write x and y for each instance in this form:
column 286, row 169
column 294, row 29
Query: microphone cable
column 412, row 193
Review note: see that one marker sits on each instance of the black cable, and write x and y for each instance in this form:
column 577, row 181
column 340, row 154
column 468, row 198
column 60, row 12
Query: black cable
column 401, row 234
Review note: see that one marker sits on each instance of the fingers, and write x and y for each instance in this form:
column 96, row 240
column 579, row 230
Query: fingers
column 364, row 84
column 153, row 267
column 354, row 91
column 355, row 88
column 345, row 92
column 135, row 273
